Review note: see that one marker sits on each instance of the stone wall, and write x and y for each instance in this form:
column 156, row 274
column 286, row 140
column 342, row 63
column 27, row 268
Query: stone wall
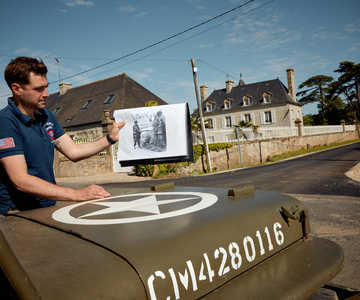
column 90, row 166
column 90, row 131
column 252, row 153
column 256, row 152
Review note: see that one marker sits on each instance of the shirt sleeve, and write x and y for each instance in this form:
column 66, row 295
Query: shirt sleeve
column 11, row 142
column 58, row 130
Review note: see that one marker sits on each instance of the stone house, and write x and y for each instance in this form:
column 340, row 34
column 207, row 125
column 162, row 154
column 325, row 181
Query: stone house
column 80, row 110
column 266, row 103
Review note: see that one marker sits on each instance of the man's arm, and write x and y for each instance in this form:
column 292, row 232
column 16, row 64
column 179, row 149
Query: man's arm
column 76, row 152
column 16, row 168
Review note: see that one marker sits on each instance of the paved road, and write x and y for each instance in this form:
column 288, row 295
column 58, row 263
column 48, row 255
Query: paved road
column 320, row 173
column 318, row 180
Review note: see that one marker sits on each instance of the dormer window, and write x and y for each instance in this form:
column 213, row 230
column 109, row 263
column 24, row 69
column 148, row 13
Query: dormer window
column 246, row 100
column 87, row 104
column 266, row 97
column 56, row 110
column 208, row 107
column 227, row 103
column 108, row 99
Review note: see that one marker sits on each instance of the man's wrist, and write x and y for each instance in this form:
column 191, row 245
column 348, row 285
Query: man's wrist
column 111, row 141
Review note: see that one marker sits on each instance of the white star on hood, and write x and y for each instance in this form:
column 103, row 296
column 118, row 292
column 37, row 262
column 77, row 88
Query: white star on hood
column 147, row 204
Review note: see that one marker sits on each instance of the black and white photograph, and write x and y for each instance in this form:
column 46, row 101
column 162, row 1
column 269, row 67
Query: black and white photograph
column 154, row 132
column 149, row 132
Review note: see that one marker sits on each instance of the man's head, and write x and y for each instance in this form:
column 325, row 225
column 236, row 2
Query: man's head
column 19, row 69
column 27, row 80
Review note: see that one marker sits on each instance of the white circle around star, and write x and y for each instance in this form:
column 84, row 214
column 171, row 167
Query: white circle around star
column 146, row 203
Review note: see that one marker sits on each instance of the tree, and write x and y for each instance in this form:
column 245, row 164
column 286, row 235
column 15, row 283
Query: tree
column 244, row 124
column 151, row 103
column 318, row 88
column 309, row 120
column 348, row 85
column 196, row 124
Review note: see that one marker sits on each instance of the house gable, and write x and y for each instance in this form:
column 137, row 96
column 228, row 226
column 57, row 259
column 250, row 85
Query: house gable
column 75, row 108
column 255, row 92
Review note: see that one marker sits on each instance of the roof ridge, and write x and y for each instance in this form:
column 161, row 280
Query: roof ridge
column 247, row 84
column 79, row 86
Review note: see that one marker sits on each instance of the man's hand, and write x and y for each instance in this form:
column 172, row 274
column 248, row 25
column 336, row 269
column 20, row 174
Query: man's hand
column 114, row 131
column 90, row 193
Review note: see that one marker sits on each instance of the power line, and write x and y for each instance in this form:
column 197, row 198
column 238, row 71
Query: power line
column 215, row 68
column 166, row 39
column 160, row 42
column 167, row 47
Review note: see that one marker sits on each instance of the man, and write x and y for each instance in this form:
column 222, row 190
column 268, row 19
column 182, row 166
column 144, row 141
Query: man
column 28, row 134
column 136, row 134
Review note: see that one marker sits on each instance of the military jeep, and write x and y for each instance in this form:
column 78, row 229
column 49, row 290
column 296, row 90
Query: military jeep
column 167, row 243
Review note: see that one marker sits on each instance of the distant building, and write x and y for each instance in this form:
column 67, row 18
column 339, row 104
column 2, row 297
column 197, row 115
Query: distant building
column 80, row 110
column 266, row 103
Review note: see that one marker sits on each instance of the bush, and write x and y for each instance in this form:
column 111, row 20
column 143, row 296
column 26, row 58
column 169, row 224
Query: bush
column 165, row 169
column 144, row 170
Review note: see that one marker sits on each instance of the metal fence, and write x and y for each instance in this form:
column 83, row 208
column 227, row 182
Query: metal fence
column 246, row 134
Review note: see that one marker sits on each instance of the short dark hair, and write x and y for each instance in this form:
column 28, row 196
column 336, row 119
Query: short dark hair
column 18, row 69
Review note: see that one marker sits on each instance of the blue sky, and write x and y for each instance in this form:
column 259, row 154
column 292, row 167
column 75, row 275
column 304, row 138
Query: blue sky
column 310, row 36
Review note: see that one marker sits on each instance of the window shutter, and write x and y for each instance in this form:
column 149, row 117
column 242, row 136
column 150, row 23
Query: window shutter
column 273, row 117
column 262, row 118
column 252, row 118
column 242, row 117
column 232, row 121
column 223, row 124
column 214, row 123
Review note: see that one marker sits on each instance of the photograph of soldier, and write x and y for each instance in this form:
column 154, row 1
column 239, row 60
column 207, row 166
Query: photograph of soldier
column 159, row 131
column 136, row 134
column 149, row 132
column 154, row 133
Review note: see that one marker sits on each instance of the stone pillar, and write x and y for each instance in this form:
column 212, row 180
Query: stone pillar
column 106, row 125
column 357, row 128
column 298, row 123
column 342, row 122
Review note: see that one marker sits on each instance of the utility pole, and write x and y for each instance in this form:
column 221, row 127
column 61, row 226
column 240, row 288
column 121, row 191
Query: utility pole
column 58, row 62
column 201, row 117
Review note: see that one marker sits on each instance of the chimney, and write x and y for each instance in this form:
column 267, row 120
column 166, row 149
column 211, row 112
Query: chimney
column 204, row 92
column 291, row 83
column 229, row 86
column 63, row 87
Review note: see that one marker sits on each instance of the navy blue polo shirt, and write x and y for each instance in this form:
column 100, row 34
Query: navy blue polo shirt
column 34, row 138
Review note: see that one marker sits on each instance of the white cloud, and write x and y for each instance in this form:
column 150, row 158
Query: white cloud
column 150, row 70
column 22, row 50
column 127, row 8
column 140, row 15
column 138, row 76
column 351, row 27
column 73, row 3
column 352, row 49
column 205, row 46
column 61, row 10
